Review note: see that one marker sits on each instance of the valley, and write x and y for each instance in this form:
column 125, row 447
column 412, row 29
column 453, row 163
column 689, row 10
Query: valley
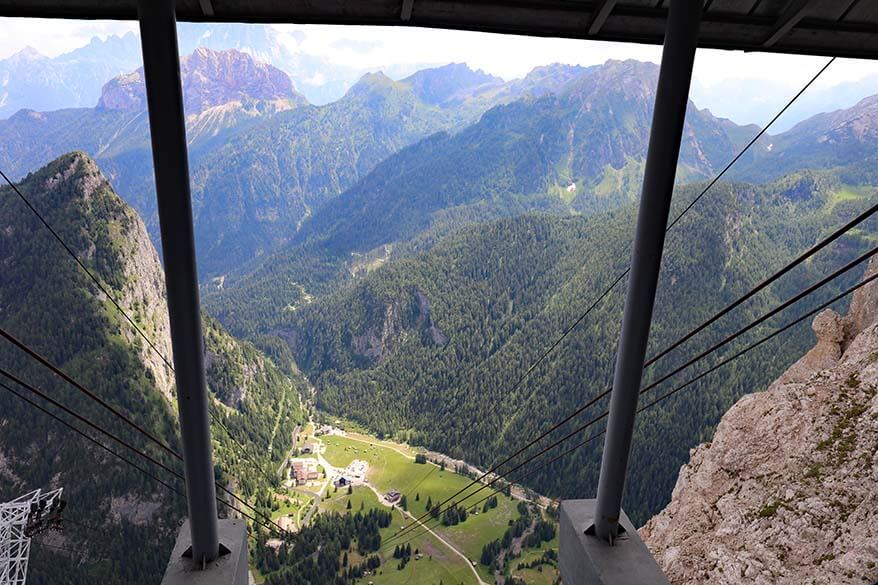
column 442, row 553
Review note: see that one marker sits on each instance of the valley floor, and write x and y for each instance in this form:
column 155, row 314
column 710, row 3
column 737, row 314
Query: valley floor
column 442, row 553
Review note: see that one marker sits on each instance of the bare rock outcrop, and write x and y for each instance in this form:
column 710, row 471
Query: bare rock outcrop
column 210, row 78
column 786, row 491
column 829, row 327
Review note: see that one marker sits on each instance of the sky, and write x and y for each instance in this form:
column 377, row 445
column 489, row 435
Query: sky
column 746, row 87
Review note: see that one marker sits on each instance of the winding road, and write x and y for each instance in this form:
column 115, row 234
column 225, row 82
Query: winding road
column 439, row 538
column 330, row 471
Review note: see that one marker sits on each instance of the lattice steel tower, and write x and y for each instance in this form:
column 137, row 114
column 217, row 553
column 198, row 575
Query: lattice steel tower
column 21, row 519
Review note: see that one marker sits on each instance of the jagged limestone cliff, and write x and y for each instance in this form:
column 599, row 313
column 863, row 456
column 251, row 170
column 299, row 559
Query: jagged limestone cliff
column 786, row 492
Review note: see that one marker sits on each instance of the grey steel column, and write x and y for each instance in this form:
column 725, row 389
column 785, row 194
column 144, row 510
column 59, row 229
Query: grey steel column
column 161, row 65
column 671, row 98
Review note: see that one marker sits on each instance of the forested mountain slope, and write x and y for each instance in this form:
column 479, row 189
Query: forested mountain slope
column 122, row 524
column 429, row 347
column 261, row 159
column 578, row 151
column 574, row 148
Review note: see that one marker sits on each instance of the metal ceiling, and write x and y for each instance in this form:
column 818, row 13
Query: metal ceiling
column 844, row 28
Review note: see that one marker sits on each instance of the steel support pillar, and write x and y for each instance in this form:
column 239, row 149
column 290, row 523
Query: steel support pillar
column 671, row 98
column 161, row 66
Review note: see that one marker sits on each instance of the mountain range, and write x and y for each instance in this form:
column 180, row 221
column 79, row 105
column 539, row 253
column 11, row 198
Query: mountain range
column 264, row 161
column 74, row 79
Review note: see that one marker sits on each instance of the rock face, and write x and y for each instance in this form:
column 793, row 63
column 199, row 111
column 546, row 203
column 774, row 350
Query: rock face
column 392, row 322
column 210, row 78
column 786, row 492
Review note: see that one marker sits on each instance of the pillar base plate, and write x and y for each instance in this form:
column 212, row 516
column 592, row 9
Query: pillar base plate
column 227, row 569
column 586, row 560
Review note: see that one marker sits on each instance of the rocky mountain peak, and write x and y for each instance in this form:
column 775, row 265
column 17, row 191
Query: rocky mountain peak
column 371, row 82
column 111, row 239
column 630, row 79
column 857, row 124
column 27, row 54
column 210, row 78
column 452, row 82
column 70, row 179
column 785, row 492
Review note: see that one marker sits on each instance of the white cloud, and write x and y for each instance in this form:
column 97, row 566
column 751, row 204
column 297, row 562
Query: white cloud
column 507, row 56
column 52, row 37
column 316, row 79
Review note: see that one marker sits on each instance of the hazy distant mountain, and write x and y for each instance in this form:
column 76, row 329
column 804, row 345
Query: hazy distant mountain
column 450, row 83
column 576, row 152
column 831, row 139
column 223, row 90
column 33, row 81
column 562, row 139
column 254, row 191
column 261, row 159
column 757, row 100
column 316, row 78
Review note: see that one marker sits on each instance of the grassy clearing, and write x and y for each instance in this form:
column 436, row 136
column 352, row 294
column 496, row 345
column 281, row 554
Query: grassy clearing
column 389, row 469
column 289, row 504
column 420, row 483
column 438, row 564
column 480, row 529
column 364, row 438
column 843, row 195
column 338, row 501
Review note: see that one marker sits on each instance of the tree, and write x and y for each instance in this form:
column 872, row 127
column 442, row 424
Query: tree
column 350, row 489
column 349, row 505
